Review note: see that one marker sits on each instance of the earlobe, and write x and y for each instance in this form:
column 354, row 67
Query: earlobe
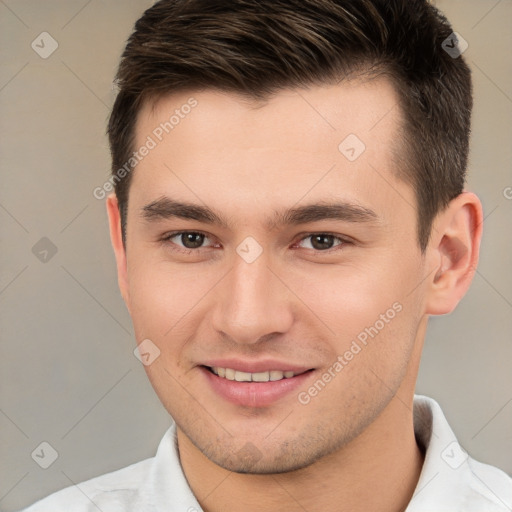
column 116, row 238
column 454, row 248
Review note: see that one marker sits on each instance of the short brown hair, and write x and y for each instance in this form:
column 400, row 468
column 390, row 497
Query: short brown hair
column 257, row 47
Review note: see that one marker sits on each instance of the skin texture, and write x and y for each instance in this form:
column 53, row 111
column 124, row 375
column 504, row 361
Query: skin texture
column 352, row 447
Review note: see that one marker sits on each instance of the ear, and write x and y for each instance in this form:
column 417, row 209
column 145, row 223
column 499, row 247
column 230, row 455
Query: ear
column 453, row 250
column 114, row 218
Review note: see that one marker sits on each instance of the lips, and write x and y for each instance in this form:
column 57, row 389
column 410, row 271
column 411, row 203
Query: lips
column 253, row 384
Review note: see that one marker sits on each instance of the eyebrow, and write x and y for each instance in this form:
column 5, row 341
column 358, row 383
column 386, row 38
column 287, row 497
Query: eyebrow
column 167, row 208
column 343, row 211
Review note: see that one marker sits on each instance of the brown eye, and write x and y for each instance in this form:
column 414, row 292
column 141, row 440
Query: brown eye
column 321, row 241
column 192, row 240
column 191, row 243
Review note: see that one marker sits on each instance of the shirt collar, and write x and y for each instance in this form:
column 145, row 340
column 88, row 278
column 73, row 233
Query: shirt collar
column 450, row 480
column 166, row 487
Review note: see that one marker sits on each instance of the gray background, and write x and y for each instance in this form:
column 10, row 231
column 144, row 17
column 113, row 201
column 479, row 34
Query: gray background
column 68, row 374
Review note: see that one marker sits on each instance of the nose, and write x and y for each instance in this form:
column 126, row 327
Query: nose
column 252, row 303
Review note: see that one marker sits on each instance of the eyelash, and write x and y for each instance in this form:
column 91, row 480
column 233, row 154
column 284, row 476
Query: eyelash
column 166, row 239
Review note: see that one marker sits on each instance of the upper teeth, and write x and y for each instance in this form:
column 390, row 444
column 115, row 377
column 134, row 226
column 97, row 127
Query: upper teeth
column 271, row 375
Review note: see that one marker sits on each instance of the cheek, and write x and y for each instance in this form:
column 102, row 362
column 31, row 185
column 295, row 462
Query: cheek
column 164, row 302
column 369, row 316
column 163, row 296
column 348, row 298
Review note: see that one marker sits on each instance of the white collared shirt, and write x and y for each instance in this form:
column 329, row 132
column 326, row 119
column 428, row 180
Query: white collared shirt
column 450, row 480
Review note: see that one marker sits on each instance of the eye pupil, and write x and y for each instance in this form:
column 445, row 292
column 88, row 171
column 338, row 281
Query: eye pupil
column 322, row 241
column 192, row 240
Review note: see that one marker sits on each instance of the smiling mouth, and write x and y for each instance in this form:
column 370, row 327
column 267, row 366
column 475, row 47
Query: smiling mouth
column 266, row 376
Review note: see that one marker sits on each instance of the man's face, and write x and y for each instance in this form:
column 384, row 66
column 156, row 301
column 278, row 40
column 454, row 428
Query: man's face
column 265, row 282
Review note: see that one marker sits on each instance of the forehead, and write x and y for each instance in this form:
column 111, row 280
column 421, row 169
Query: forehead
column 213, row 146
column 302, row 116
